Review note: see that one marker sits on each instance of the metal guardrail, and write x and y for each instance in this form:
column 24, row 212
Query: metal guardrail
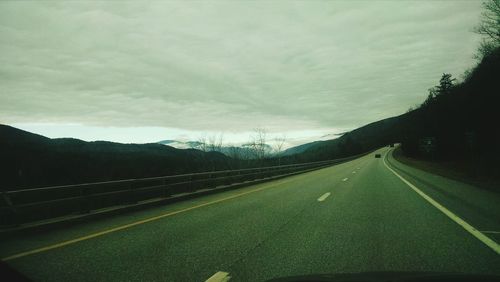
column 29, row 205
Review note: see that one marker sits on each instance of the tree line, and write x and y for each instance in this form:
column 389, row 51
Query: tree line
column 457, row 122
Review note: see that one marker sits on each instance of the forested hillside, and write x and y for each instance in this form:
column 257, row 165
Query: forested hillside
column 457, row 122
column 30, row 160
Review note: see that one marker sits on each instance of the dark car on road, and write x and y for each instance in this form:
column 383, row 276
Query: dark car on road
column 377, row 155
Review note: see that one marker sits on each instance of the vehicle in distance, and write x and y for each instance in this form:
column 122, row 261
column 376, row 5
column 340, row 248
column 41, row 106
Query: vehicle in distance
column 377, row 155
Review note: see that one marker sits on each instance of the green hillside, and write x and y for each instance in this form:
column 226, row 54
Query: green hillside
column 461, row 123
column 30, row 160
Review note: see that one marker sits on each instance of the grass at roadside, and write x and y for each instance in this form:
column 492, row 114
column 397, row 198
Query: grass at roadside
column 457, row 170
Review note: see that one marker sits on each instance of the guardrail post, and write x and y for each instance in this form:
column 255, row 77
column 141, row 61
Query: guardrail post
column 10, row 216
column 212, row 183
column 132, row 197
column 84, row 200
column 128, row 191
column 165, row 188
column 190, row 183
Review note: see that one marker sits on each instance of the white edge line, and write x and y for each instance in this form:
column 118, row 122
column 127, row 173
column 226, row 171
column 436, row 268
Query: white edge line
column 322, row 198
column 219, row 276
column 476, row 233
column 492, row 232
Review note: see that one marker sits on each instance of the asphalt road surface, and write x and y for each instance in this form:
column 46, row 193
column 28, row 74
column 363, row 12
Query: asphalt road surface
column 369, row 214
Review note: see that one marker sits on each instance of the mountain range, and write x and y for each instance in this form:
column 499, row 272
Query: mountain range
column 462, row 124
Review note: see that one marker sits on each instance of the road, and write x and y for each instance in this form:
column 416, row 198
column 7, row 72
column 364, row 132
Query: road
column 356, row 217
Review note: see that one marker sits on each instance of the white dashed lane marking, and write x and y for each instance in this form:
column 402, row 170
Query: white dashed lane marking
column 220, row 276
column 322, row 198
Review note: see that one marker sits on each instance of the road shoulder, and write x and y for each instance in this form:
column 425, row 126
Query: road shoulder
column 479, row 207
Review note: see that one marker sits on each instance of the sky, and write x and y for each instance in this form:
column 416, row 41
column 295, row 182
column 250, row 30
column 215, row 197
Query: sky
column 138, row 72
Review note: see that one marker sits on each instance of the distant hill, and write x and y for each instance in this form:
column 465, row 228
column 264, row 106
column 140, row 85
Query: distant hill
column 462, row 124
column 245, row 151
column 31, row 160
column 300, row 148
column 363, row 139
column 181, row 144
column 166, row 142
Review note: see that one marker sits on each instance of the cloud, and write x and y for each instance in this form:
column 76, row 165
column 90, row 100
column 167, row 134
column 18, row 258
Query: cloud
column 227, row 66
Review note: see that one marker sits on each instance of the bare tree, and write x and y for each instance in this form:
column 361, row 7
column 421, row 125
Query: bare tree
column 258, row 143
column 215, row 142
column 193, row 144
column 203, row 145
column 490, row 22
column 278, row 146
column 489, row 27
column 212, row 143
column 234, row 152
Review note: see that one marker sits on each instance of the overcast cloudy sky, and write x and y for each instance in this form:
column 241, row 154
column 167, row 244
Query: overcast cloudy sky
column 133, row 72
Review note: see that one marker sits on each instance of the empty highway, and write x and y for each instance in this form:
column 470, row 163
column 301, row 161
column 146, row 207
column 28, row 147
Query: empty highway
column 369, row 214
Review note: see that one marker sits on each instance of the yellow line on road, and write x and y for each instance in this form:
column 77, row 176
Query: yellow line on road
column 118, row 228
column 476, row 233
